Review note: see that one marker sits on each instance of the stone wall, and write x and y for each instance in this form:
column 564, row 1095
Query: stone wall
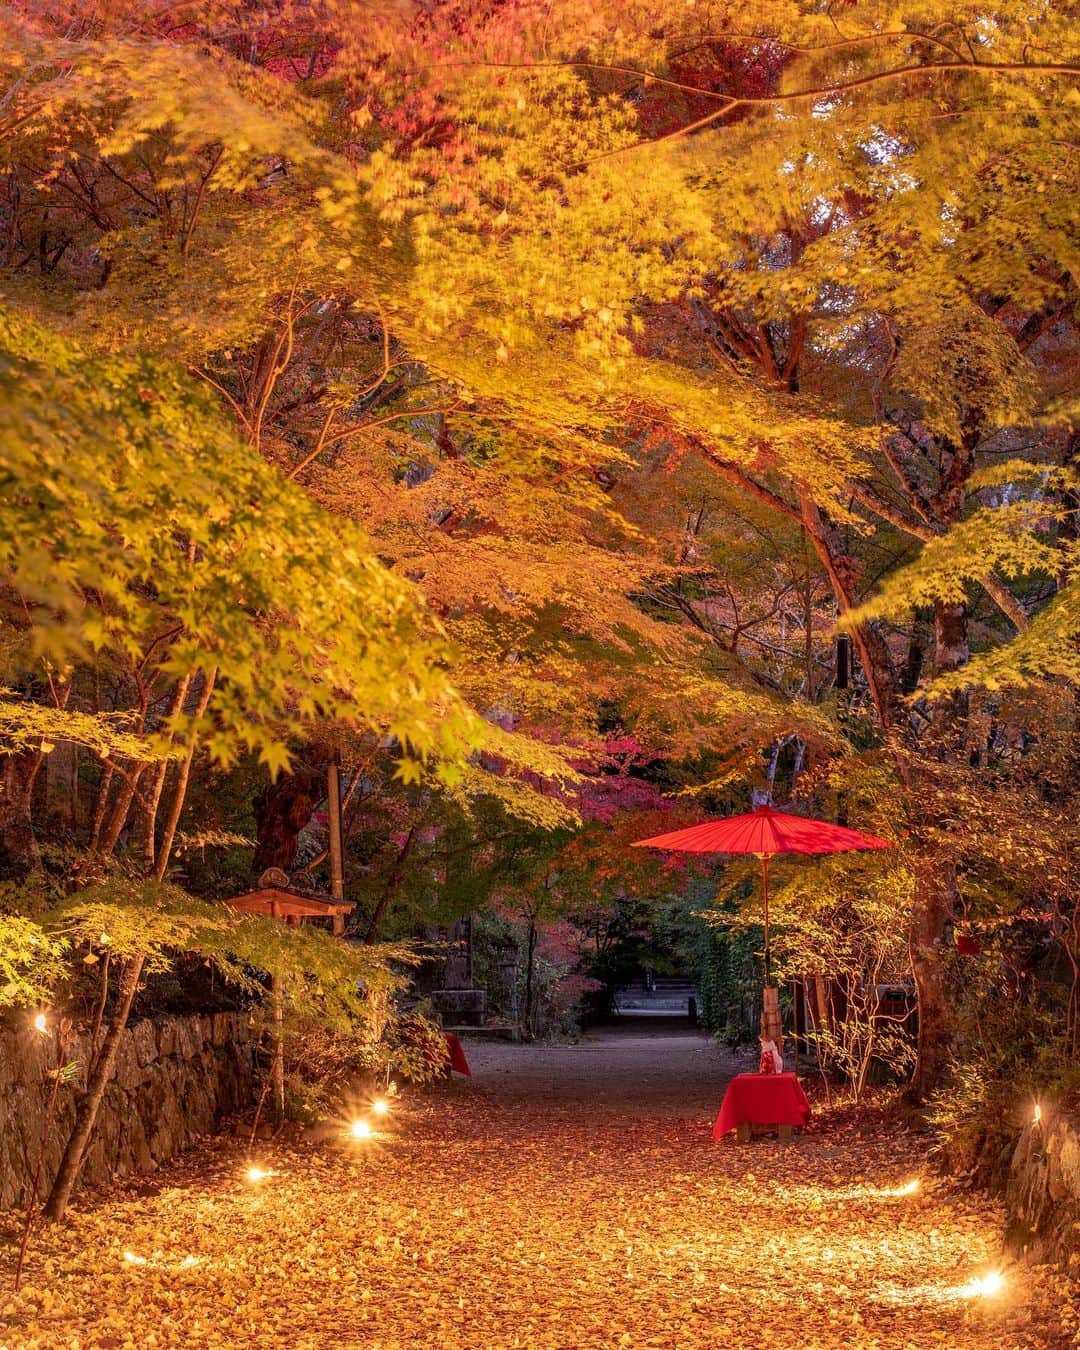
column 1042, row 1192
column 175, row 1077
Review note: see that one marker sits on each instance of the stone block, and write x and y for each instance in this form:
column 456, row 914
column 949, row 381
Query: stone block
column 1042, row 1194
column 128, row 1073
column 460, row 1007
column 144, row 1042
column 168, row 1036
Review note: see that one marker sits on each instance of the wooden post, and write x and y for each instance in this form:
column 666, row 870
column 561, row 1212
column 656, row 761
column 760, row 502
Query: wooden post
column 771, row 1026
column 337, row 860
column 770, row 1020
column 277, row 1051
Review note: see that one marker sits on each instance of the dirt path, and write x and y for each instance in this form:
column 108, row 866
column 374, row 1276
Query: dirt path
column 563, row 1199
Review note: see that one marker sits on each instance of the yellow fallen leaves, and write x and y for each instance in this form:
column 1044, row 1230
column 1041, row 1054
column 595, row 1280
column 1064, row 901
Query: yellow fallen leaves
column 546, row 1214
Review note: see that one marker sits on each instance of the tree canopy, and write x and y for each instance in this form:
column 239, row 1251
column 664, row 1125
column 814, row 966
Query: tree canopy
column 463, row 391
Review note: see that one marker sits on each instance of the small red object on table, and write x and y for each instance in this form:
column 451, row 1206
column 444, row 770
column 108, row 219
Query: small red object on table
column 458, row 1062
column 762, row 1099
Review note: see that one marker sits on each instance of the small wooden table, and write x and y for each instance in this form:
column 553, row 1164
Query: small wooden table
column 762, row 1099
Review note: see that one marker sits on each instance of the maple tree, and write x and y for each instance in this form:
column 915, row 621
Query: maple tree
column 415, row 386
column 837, row 318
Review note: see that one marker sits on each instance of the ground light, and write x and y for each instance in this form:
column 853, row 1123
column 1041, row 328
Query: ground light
column 361, row 1129
column 989, row 1285
column 380, row 1106
column 257, row 1174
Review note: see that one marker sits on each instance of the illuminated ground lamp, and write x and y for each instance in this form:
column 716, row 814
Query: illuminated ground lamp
column 989, row 1285
column 380, row 1107
column 257, row 1174
column 361, row 1129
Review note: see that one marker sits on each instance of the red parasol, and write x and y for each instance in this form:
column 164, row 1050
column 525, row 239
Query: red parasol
column 764, row 832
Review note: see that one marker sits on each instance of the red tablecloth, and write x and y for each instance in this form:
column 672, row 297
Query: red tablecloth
column 458, row 1062
column 762, row 1099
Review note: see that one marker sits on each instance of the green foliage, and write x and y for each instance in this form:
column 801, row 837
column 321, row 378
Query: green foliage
column 1009, row 1052
column 130, row 511
column 843, row 919
column 1013, row 539
column 26, row 725
column 606, row 270
column 329, row 1072
column 413, row 1048
column 32, row 960
column 142, row 919
column 316, row 974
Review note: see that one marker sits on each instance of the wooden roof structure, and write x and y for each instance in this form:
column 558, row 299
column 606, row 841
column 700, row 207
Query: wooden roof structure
column 287, row 905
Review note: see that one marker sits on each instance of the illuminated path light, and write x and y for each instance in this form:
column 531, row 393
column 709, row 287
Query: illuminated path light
column 990, row 1285
column 380, row 1106
column 569, row 1197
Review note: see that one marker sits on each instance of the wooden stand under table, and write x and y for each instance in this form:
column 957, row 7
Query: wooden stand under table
column 744, row 1131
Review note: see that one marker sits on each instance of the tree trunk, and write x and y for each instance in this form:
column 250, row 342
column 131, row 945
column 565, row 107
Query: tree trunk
column 393, row 885
column 935, row 877
column 129, row 785
column 176, row 807
column 158, row 776
column 101, row 806
column 930, row 915
column 916, row 652
column 951, row 649
column 62, row 785
column 87, row 1112
column 529, row 977
column 282, row 810
column 19, row 853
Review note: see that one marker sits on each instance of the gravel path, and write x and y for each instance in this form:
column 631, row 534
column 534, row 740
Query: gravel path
column 566, row 1198
column 645, row 1066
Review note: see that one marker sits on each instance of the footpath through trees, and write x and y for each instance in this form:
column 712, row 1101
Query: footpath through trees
column 565, row 1197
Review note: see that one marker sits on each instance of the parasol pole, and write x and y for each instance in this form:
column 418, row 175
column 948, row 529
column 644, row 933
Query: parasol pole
column 770, row 1001
column 765, row 893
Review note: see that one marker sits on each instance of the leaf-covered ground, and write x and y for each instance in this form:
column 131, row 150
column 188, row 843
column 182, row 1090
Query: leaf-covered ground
column 564, row 1198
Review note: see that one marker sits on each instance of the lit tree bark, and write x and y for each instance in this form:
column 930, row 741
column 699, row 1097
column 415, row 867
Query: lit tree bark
column 101, row 806
column 86, row 1114
column 282, row 810
column 183, row 777
column 159, row 773
column 129, row 786
column 19, row 853
column 393, row 885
